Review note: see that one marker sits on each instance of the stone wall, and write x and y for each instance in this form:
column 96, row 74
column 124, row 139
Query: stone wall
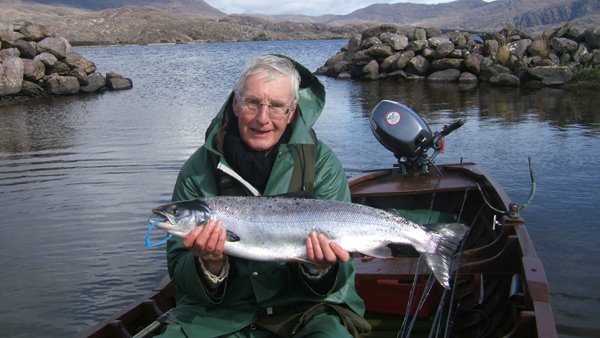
column 509, row 57
column 34, row 62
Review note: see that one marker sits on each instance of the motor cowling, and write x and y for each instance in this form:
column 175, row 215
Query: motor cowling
column 400, row 129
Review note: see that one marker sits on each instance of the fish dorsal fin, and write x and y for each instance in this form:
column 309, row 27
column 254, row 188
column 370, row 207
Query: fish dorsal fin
column 296, row 194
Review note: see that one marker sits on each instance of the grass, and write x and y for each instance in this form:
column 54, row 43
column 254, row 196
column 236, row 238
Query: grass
column 586, row 79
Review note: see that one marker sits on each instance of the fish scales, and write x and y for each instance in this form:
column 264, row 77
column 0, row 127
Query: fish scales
column 275, row 228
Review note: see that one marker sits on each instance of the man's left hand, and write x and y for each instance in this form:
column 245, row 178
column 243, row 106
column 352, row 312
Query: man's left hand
column 324, row 253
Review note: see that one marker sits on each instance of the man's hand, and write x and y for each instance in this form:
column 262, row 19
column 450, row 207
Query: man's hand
column 208, row 243
column 324, row 253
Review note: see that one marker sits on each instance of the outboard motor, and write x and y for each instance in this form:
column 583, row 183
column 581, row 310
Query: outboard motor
column 407, row 135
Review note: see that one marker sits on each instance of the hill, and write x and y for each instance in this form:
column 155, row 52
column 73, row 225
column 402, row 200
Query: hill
column 151, row 21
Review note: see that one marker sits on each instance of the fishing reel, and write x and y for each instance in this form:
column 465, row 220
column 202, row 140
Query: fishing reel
column 405, row 133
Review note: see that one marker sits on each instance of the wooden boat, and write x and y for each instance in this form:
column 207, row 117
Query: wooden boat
column 499, row 288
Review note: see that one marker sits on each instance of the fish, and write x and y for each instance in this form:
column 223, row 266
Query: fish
column 275, row 228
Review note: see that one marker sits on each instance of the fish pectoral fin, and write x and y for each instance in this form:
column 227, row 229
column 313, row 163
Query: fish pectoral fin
column 378, row 252
column 232, row 236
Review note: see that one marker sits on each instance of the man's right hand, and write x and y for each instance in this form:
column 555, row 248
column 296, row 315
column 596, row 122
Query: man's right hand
column 207, row 243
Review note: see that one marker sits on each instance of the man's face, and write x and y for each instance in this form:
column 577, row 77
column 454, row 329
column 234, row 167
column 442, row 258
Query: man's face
column 259, row 129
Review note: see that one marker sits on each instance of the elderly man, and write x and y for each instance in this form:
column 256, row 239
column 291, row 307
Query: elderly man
column 261, row 142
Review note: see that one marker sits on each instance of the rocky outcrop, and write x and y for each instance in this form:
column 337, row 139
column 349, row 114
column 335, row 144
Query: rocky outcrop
column 506, row 58
column 34, row 62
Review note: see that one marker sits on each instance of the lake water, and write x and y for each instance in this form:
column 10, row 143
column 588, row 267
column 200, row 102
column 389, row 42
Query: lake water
column 78, row 175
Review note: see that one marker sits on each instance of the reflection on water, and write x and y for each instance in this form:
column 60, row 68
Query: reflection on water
column 78, row 175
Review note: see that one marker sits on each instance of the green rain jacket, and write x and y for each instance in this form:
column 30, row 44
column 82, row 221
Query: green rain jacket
column 253, row 288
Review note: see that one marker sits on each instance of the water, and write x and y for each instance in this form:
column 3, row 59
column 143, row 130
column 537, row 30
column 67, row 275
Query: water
column 78, row 175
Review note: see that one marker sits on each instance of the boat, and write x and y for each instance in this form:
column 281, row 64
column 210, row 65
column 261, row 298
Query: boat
column 499, row 286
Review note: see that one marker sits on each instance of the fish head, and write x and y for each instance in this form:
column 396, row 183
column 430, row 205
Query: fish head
column 179, row 218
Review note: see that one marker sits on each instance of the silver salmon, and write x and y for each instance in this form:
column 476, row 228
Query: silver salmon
column 275, row 228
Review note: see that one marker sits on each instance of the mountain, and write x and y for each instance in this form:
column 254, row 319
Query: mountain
column 149, row 21
column 192, row 7
column 532, row 15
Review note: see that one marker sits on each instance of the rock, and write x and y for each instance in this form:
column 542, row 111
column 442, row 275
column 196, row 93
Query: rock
column 563, row 45
column 473, row 63
column 370, row 42
column 34, row 32
column 33, row 70
column 504, row 58
column 444, row 49
column 403, row 59
column 551, row 76
column 371, row 71
column 62, row 85
column 447, row 63
column 59, row 68
column 96, row 81
column 58, row 47
column 80, row 75
column 396, row 41
column 380, row 50
column 467, row 77
column 418, row 65
column 9, row 53
column 47, row 59
column 75, row 60
column 417, row 45
column 115, row 81
column 27, row 49
column 11, row 76
column 592, row 36
column 32, row 89
column 505, row 79
column 519, row 47
column 538, row 48
column 448, row 75
column 490, row 47
column 8, row 34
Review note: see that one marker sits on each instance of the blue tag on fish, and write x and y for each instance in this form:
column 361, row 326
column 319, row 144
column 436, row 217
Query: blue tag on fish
column 151, row 225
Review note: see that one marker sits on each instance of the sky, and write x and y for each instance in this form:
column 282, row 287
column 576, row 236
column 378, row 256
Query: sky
column 307, row 7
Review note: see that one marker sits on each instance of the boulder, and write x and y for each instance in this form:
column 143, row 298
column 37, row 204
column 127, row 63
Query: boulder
column 563, row 45
column 115, row 81
column 551, row 76
column 473, row 63
column 448, row 75
column 466, row 77
column 11, row 76
column 371, row 71
column 505, row 79
column 58, row 47
column 592, row 36
column 418, row 65
column 33, row 70
column 62, row 85
column 95, row 82
column 34, row 32
column 394, row 40
column 76, row 60
column 27, row 49
column 47, row 59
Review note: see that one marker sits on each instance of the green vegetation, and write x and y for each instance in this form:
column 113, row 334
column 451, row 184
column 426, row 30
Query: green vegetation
column 586, row 79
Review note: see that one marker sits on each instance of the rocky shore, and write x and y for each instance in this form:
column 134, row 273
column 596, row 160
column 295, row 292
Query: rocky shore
column 34, row 62
column 506, row 58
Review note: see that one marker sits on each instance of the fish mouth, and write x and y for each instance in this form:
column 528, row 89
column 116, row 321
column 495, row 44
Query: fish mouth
column 161, row 216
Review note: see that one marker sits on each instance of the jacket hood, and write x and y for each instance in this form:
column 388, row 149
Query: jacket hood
column 311, row 99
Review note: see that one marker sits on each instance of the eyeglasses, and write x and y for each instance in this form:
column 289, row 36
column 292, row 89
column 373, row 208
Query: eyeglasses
column 277, row 110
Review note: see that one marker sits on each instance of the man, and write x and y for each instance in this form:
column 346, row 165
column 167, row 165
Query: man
column 261, row 142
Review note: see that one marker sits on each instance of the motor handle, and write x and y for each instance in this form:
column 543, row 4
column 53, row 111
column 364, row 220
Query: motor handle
column 451, row 127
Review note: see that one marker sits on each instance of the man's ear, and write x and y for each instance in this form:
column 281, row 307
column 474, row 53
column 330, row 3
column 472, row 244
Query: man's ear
column 235, row 106
column 292, row 114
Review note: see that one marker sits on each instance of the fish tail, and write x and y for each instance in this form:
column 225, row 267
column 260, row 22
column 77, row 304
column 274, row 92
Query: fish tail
column 446, row 239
